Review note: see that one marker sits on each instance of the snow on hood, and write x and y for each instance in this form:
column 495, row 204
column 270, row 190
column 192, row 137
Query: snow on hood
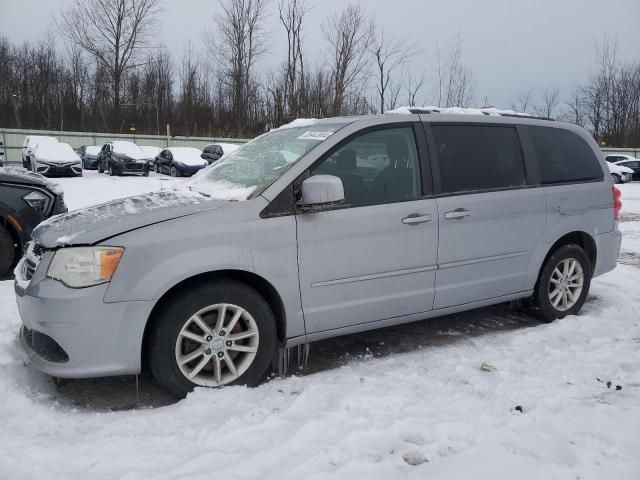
column 55, row 152
column 90, row 225
column 188, row 156
column 130, row 150
column 456, row 110
column 22, row 175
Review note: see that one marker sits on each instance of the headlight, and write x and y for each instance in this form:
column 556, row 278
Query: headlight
column 79, row 267
column 38, row 201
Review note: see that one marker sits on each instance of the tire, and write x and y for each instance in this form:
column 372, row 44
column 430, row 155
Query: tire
column 112, row 173
column 174, row 172
column 100, row 169
column 616, row 178
column 157, row 167
column 543, row 305
column 7, row 252
column 146, row 172
column 166, row 342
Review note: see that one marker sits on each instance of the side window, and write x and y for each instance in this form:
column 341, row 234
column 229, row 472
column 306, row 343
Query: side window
column 376, row 168
column 563, row 156
column 478, row 157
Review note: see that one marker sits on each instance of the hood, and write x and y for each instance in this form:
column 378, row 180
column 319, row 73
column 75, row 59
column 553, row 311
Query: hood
column 21, row 176
column 91, row 225
column 55, row 153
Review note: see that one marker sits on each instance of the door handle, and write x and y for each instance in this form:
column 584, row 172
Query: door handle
column 456, row 214
column 416, row 219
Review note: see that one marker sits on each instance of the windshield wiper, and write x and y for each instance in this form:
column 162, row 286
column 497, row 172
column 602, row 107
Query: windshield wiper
column 199, row 191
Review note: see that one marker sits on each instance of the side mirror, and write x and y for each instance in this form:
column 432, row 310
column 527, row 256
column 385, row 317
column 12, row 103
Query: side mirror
column 321, row 191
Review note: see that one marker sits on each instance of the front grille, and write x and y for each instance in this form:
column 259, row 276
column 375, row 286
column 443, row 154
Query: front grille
column 31, row 260
column 44, row 346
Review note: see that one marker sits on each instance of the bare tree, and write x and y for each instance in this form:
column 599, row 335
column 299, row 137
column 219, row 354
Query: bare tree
column 237, row 43
column 523, row 101
column 390, row 56
column 548, row 103
column 413, row 84
column 292, row 15
column 112, row 31
column 455, row 81
column 348, row 34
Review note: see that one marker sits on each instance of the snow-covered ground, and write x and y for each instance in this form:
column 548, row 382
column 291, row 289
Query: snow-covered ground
column 489, row 394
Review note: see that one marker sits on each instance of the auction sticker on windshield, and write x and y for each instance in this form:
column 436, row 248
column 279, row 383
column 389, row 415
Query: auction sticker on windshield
column 315, row 135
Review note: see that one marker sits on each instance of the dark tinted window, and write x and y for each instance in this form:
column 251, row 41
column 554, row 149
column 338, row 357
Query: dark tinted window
column 377, row 167
column 563, row 156
column 478, row 157
column 613, row 159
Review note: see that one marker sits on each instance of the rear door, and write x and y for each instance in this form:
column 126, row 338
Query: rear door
column 374, row 257
column 490, row 217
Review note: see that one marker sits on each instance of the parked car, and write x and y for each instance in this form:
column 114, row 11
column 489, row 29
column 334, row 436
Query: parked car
column 26, row 199
column 151, row 152
column 180, row 161
column 89, row 156
column 122, row 157
column 366, row 222
column 619, row 173
column 615, row 158
column 634, row 165
column 55, row 159
column 1, row 154
column 212, row 153
column 29, row 144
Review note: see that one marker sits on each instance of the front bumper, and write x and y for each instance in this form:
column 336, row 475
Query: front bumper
column 73, row 333
column 58, row 170
column 188, row 170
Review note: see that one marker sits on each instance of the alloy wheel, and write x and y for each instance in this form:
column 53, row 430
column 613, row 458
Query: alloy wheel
column 217, row 345
column 565, row 285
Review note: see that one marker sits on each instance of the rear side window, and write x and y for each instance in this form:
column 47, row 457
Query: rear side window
column 563, row 156
column 478, row 157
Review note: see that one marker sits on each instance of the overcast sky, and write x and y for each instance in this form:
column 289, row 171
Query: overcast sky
column 510, row 45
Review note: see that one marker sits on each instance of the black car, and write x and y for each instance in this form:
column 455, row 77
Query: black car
column 212, row 153
column 120, row 157
column 89, row 156
column 26, row 199
column 180, row 161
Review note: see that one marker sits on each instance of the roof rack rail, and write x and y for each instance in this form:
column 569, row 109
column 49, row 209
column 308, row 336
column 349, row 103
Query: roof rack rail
column 487, row 112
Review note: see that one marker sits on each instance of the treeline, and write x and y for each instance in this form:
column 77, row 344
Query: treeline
column 108, row 74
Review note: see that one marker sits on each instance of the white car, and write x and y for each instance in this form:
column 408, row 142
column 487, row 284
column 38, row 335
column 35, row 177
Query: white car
column 30, row 144
column 55, row 159
column 619, row 173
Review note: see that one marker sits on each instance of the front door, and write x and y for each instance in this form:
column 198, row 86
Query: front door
column 374, row 257
column 490, row 220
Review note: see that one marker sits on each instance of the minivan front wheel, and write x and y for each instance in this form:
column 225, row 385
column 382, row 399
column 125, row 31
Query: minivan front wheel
column 563, row 284
column 217, row 334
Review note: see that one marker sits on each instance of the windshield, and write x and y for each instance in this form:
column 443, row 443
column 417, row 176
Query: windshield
column 253, row 167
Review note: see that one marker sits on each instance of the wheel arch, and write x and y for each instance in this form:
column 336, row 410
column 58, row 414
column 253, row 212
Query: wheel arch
column 577, row 237
column 260, row 284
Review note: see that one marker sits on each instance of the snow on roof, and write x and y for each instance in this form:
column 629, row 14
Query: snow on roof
column 187, row 155
column 128, row 148
column 93, row 150
column 456, row 110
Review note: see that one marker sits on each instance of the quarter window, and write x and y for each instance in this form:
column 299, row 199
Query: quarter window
column 478, row 157
column 563, row 156
column 376, row 168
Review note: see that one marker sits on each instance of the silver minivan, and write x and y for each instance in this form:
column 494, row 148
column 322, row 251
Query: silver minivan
column 318, row 229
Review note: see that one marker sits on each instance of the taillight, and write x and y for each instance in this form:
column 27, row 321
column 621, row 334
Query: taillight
column 617, row 203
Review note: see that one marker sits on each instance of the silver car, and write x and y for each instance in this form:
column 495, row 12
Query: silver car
column 315, row 230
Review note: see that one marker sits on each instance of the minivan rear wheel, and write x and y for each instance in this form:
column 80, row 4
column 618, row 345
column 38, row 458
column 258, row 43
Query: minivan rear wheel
column 217, row 334
column 563, row 284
